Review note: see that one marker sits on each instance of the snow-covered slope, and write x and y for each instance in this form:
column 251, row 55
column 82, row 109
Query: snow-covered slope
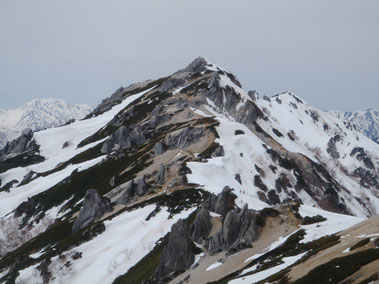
column 365, row 121
column 36, row 115
column 184, row 178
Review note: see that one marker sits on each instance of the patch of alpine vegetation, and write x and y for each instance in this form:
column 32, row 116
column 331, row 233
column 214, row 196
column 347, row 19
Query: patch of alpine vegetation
column 346, row 265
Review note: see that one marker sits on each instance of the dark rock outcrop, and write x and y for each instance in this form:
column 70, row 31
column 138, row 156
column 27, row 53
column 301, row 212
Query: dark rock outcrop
column 27, row 207
column 174, row 82
column 159, row 178
column 222, row 203
column 262, row 196
column 198, row 65
column 118, row 96
column 118, row 140
column 124, row 139
column 253, row 95
column 332, row 149
column 158, row 148
column 219, row 152
column 282, row 183
column 239, row 132
column 28, row 177
column 239, row 229
column 155, row 121
column 22, row 144
column 8, row 185
column 366, row 177
column 177, row 255
column 138, row 136
column 201, row 226
column 43, row 267
column 134, row 188
column 362, row 156
column 273, row 197
column 266, row 98
column 238, row 178
column 94, row 207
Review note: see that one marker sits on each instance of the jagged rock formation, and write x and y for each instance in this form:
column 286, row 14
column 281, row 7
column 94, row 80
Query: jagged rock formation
column 177, row 256
column 185, row 137
column 94, row 207
column 222, row 203
column 118, row 140
column 159, row 179
column 239, row 229
column 22, row 144
column 201, row 226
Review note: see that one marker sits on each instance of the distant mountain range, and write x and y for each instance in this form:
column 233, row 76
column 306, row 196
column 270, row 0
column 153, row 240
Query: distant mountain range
column 365, row 121
column 37, row 115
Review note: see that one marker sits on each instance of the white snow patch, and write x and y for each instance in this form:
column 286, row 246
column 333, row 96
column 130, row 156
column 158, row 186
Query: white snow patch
column 9, row 201
column 213, row 214
column 213, row 266
column 334, row 223
column 268, row 272
column 127, row 239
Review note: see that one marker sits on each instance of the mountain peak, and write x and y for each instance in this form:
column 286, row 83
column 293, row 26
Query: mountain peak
column 197, row 65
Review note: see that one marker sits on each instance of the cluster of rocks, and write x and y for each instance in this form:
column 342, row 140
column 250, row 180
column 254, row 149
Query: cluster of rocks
column 240, row 227
column 360, row 155
column 133, row 189
column 367, row 178
column 123, row 139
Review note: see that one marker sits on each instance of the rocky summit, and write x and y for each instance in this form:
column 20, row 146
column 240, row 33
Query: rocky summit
column 190, row 179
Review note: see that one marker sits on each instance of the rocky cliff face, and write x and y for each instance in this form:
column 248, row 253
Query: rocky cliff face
column 152, row 185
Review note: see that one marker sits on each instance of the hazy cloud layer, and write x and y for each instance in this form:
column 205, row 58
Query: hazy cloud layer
column 327, row 52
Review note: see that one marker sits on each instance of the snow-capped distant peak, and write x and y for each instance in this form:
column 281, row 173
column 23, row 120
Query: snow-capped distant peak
column 38, row 114
column 364, row 121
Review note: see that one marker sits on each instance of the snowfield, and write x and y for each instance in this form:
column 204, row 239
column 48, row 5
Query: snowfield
column 125, row 241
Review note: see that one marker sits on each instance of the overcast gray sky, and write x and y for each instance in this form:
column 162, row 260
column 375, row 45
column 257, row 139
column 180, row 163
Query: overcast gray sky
column 327, row 52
